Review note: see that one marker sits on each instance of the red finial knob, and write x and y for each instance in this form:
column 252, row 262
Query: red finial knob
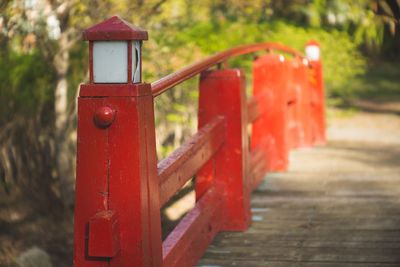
column 104, row 116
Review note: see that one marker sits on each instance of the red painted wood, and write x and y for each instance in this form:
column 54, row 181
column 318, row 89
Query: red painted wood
column 188, row 241
column 175, row 170
column 134, row 186
column 256, row 106
column 108, row 90
column 119, row 190
column 141, row 63
column 256, row 157
column 269, row 130
column 258, row 167
column 114, row 28
column 302, row 114
column 130, row 76
column 169, row 81
column 91, row 194
column 317, row 103
column 293, row 127
column 103, row 238
column 253, row 111
column 117, row 170
column 91, row 61
column 222, row 93
column 104, row 116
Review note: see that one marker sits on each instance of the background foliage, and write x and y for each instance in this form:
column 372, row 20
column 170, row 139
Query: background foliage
column 43, row 61
column 41, row 53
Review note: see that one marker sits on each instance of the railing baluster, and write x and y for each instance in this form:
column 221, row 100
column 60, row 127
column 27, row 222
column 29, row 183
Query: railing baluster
column 269, row 133
column 317, row 91
column 222, row 93
column 118, row 187
column 175, row 170
column 117, row 218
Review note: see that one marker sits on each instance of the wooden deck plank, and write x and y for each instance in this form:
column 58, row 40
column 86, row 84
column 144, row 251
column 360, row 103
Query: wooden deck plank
column 263, row 263
column 320, row 215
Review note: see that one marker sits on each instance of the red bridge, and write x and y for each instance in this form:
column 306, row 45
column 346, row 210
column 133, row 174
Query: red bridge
column 121, row 187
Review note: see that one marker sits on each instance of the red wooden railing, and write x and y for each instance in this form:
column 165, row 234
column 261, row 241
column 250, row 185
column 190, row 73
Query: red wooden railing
column 120, row 187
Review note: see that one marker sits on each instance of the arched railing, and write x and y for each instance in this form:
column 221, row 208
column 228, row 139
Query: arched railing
column 120, row 186
column 184, row 74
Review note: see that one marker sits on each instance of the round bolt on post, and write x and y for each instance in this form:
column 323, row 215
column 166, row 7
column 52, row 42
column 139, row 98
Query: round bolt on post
column 103, row 117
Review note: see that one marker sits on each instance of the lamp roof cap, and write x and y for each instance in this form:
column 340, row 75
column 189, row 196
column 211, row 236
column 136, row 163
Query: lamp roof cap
column 114, row 29
column 313, row 42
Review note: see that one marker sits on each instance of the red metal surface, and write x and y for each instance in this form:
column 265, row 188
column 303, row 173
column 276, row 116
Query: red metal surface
column 181, row 165
column 222, row 93
column 269, row 130
column 186, row 73
column 115, row 29
column 103, row 238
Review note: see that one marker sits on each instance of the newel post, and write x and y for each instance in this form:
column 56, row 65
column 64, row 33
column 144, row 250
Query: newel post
column 269, row 133
column 313, row 54
column 222, row 93
column 117, row 219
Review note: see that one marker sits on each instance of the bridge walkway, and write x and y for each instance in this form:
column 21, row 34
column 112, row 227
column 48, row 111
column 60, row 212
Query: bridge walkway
column 338, row 205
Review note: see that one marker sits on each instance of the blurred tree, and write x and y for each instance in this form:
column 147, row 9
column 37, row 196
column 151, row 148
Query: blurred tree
column 43, row 59
column 45, row 32
column 370, row 23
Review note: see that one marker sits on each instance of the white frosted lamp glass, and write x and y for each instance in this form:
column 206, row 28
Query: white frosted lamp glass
column 110, row 61
column 136, row 54
column 312, row 52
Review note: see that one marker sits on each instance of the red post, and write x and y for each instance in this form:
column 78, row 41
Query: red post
column 269, row 133
column 222, row 93
column 117, row 212
column 299, row 104
column 317, row 90
column 292, row 109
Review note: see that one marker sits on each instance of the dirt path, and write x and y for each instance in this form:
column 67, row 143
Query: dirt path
column 338, row 205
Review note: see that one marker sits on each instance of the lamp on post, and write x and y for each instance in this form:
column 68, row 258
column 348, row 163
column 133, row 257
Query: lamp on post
column 313, row 52
column 115, row 51
column 117, row 218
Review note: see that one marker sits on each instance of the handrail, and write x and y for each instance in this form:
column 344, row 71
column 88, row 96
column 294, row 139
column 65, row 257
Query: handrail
column 175, row 170
column 120, row 186
column 160, row 86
